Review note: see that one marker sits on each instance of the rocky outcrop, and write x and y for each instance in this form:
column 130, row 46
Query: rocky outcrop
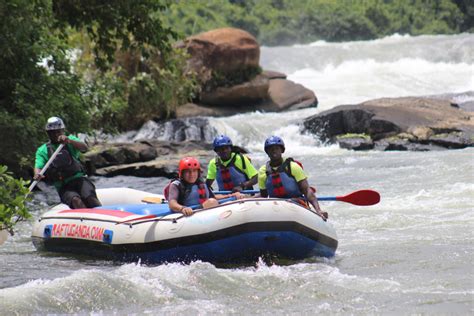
column 287, row 95
column 226, row 62
column 224, row 50
column 241, row 95
column 144, row 158
column 395, row 124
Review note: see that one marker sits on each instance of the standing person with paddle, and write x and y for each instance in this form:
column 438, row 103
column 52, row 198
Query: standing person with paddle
column 284, row 178
column 65, row 170
column 232, row 170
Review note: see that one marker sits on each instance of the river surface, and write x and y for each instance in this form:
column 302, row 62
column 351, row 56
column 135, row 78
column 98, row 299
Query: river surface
column 410, row 254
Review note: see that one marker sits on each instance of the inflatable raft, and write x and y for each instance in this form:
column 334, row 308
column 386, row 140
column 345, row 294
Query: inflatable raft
column 126, row 229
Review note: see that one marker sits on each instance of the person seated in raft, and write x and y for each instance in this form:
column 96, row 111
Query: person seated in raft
column 66, row 172
column 189, row 189
column 284, row 178
column 232, row 170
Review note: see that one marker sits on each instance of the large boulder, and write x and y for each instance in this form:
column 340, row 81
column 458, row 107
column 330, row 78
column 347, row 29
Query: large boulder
column 287, row 95
column 253, row 92
column 223, row 50
column 409, row 123
column 226, row 62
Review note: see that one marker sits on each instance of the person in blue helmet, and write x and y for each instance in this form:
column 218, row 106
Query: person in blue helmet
column 232, row 170
column 65, row 172
column 284, row 178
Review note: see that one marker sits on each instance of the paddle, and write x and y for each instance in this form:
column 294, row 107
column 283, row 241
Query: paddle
column 154, row 200
column 196, row 206
column 360, row 197
column 46, row 166
column 243, row 191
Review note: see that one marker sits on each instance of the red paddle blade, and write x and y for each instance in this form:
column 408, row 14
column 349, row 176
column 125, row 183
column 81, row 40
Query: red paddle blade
column 361, row 197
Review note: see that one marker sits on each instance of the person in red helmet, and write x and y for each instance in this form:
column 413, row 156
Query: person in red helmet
column 189, row 189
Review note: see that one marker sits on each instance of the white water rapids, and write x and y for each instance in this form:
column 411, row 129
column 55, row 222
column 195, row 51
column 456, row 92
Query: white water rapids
column 410, row 254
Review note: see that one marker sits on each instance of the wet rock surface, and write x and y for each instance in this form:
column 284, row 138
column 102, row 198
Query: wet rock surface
column 409, row 123
column 144, row 158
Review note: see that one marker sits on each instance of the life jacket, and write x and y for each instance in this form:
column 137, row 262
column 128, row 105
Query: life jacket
column 280, row 182
column 63, row 166
column 230, row 176
column 189, row 194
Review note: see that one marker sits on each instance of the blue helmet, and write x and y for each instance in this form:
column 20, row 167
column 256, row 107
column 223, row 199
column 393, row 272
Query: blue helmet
column 274, row 140
column 221, row 141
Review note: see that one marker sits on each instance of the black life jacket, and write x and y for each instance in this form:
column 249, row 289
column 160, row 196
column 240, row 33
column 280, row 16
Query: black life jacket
column 63, row 166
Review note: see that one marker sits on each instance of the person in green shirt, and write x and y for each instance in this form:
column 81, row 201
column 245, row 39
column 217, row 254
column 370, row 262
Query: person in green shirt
column 233, row 171
column 65, row 172
column 284, row 178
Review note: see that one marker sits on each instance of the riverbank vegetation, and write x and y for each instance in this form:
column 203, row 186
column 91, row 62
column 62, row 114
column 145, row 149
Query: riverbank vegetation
column 111, row 65
column 285, row 22
column 13, row 195
column 97, row 65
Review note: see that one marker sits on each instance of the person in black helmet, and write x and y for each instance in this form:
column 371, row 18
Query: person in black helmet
column 65, row 172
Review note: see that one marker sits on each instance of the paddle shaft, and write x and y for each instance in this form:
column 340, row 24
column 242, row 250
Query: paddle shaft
column 360, row 197
column 194, row 207
column 243, row 191
column 46, row 166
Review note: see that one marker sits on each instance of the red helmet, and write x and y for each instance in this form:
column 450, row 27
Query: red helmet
column 188, row 163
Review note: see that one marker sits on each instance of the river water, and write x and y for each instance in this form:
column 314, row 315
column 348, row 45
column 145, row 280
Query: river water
column 410, row 254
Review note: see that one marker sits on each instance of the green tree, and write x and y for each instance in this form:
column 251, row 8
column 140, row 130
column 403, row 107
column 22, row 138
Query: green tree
column 13, row 196
column 37, row 79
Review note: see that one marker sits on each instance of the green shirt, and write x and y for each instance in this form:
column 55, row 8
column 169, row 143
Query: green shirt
column 296, row 171
column 42, row 158
column 249, row 170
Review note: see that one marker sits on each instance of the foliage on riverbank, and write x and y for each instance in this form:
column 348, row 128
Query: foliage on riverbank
column 283, row 22
column 62, row 58
column 13, row 195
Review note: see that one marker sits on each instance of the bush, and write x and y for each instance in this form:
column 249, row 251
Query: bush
column 136, row 90
column 13, row 195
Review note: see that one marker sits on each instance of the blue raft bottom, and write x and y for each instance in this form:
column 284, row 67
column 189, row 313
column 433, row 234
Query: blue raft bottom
column 245, row 247
column 242, row 248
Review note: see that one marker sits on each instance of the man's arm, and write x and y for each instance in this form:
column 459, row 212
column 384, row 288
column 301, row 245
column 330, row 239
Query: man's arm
column 82, row 147
column 211, row 172
column 262, row 178
column 209, row 183
column 306, row 190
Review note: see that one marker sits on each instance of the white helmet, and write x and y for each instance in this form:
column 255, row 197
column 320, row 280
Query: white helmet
column 54, row 123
